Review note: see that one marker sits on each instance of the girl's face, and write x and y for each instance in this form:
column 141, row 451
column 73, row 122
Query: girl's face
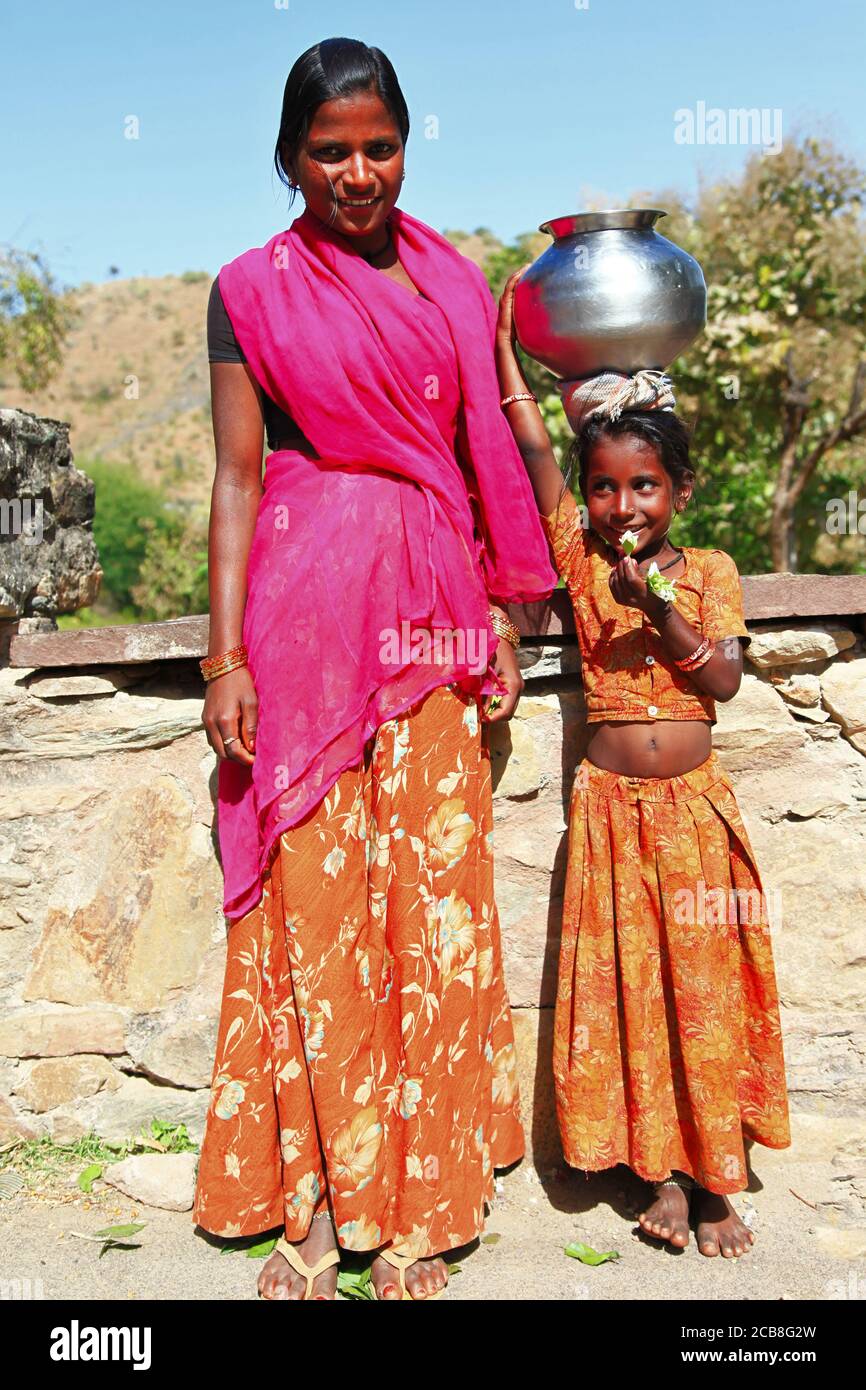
column 353, row 151
column 627, row 488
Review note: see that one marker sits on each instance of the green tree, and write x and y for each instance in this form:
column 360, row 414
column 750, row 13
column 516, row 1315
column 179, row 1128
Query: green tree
column 173, row 576
column 776, row 383
column 35, row 319
column 128, row 514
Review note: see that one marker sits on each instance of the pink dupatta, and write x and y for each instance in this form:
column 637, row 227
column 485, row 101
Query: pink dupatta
column 374, row 541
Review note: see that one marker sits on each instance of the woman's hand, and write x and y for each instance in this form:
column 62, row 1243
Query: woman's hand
column 506, row 667
column 505, row 334
column 231, row 713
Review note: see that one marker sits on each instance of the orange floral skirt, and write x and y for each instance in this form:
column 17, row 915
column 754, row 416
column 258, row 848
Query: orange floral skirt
column 365, row 1053
column 667, row 1044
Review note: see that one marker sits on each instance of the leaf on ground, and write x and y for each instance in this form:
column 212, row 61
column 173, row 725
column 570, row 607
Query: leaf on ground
column 114, row 1232
column 355, row 1285
column 492, row 1239
column 262, row 1247
column 588, row 1256
column 89, row 1176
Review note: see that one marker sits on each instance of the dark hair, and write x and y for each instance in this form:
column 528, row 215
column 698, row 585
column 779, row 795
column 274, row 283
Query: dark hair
column 334, row 68
column 660, row 430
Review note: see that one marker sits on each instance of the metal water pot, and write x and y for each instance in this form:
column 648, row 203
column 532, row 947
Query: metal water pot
column 610, row 294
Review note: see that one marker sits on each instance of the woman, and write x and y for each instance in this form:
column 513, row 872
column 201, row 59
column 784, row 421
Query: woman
column 364, row 1084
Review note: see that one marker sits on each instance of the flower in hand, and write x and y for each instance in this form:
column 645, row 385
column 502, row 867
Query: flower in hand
column 633, row 589
column 656, row 581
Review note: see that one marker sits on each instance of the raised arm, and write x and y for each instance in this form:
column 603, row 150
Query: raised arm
column 230, row 708
column 524, row 417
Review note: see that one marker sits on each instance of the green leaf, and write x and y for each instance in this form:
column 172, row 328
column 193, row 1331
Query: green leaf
column 356, row 1285
column 588, row 1256
column 262, row 1247
column 89, row 1176
column 129, row 1230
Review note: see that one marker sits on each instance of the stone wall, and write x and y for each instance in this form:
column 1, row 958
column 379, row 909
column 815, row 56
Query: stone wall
column 112, row 941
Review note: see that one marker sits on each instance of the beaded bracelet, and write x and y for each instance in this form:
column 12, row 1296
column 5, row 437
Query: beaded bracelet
column 213, row 666
column 519, row 396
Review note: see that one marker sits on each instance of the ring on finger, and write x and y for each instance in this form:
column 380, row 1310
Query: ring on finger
column 227, row 741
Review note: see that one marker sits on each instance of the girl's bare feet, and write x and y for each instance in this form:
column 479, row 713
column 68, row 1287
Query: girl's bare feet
column 426, row 1276
column 668, row 1217
column 719, row 1229
column 279, row 1280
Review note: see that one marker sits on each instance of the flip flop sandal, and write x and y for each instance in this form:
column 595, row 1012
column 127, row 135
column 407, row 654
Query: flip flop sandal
column 401, row 1263
column 298, row 1263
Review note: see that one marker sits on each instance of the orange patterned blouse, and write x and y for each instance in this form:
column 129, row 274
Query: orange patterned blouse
column 627, row 674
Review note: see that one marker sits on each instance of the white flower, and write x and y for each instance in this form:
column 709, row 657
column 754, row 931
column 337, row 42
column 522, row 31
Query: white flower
column 665, row 588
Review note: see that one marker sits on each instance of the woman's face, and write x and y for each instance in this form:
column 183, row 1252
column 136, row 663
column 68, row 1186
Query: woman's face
column 627, row 488
column 353, row 151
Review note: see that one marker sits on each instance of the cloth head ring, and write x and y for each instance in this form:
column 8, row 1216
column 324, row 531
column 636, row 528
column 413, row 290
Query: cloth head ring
column 608, row 394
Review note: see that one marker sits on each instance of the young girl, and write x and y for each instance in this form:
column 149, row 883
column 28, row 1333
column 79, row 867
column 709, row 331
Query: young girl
column 667, row 1045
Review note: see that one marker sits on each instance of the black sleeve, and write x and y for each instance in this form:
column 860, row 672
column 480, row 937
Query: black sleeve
column 222, row 345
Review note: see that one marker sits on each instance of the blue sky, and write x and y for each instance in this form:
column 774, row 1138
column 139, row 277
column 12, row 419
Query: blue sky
column 540, row 105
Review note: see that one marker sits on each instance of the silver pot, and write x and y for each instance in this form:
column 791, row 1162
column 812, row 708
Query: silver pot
column 610, row 294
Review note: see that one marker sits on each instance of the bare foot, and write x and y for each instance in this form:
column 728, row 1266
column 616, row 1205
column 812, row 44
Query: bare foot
column 279, row 1280
column 719, row 1230
column 423, row 1278
column 668, row 1217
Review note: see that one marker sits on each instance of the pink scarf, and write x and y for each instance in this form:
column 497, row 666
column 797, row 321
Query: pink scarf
column 357, row 550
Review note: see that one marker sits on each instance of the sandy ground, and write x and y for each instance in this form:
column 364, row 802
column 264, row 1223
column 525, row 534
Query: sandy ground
column 533, row 1218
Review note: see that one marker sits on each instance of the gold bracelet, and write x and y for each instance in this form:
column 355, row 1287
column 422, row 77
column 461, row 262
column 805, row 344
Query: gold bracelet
column 213, row 666
column 504, row 627
column 519, row 396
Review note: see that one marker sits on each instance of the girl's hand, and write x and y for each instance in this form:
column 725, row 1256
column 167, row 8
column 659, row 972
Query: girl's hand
column 506, row 667
column 628, row 585
column 231, row 712
column 505, row 334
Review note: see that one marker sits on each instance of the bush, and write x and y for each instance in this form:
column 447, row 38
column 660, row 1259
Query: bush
column 129, row 512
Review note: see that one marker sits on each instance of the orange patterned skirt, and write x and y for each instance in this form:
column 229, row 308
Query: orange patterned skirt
column 365, row 1053
column 667, row 1042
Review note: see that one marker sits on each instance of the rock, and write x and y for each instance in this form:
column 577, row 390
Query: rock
column 843, row 688
column 124, row 1113
column 755, row 728
column 538, row 662
column 49, row 563
column 58, row 1080
column 50, row 687
column 800, row 689
column 12, row 1125
column 135, row 921
column 840, row 1242
column 41, row 1032
column 157, row 1180
column 778, row 644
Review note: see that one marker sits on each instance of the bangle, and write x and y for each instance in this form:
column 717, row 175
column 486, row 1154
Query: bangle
column 702, row 659
column 504, row 627
column 702, row 652
column 519, row 396
column 213, row 666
